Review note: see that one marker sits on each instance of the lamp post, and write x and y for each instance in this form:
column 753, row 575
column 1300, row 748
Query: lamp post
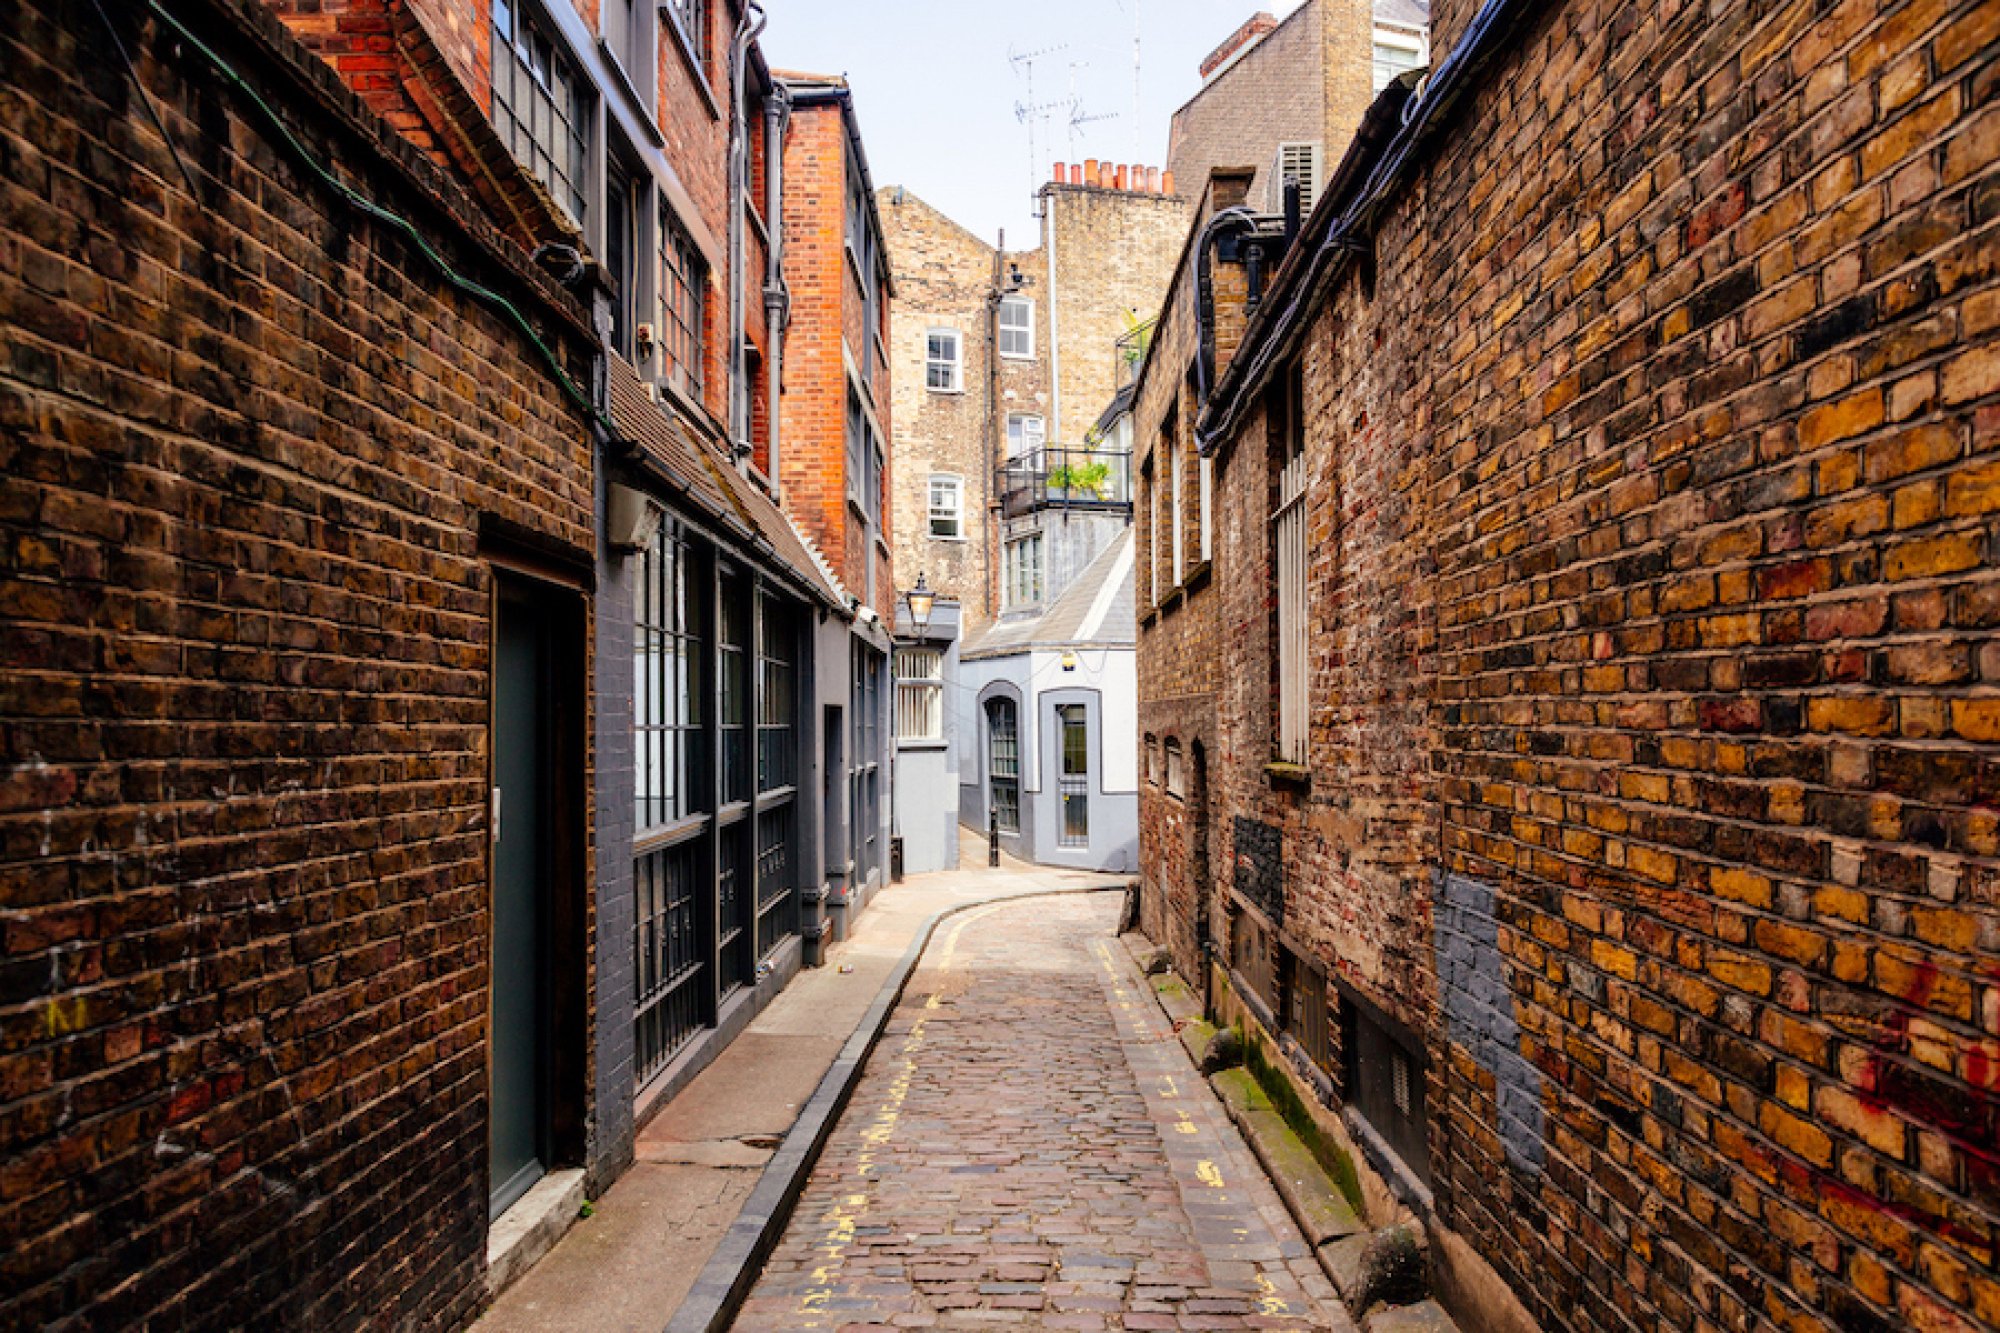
column 920, row 601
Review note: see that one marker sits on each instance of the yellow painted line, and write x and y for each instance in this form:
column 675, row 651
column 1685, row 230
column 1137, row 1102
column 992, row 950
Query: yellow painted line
column 1270, row 1302
column 1208, row 1174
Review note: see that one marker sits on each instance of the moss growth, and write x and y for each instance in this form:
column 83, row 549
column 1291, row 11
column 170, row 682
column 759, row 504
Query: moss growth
column 1285, row 1101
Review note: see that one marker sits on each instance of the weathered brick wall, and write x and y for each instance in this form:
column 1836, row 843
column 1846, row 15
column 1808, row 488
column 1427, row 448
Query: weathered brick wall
column 943, row 275
column 250, row 443
column 1273, row 94
column 1114, row 253
column 1650, row 755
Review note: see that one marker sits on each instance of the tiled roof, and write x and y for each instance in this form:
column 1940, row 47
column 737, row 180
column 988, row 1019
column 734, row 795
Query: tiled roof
column 1097, row 610
column 714, row 486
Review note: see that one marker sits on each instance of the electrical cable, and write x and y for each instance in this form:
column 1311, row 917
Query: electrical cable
column 506, row 308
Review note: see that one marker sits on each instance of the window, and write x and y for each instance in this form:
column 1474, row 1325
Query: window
column 919, row 694
column 619, row 23
column 1152, row 760
column 947, row 506
column 777, row 703
column 864, row 461
column 683, row 305
column 866, row 246
column 1303, row 998
column 1003, row 764
column 670, row 684
column 1017, row 327
column 1289, row 556
column 1022, row 577
column 1300, row 162
column 1250, row 953
column 623, row 226
column 941, row 362
column 1169, row 530
column 541, row 105
column 1176, row 769
column 1026, row 434
column 1398, row 52
column 1073, row 788
column 1206, row 477
column 691, row 17
column 1152, row 533
column 735, row 649
column 1383, row 1080
column 866, row 794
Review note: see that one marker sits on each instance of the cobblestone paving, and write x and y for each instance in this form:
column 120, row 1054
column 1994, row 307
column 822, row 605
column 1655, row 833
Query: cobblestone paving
column 1029, row 1147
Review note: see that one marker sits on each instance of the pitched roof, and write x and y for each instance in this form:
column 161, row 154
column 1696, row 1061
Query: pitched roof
column 1097, row 610
column 713, row 486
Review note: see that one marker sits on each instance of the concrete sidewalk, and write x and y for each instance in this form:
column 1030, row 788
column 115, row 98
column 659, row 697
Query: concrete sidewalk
column 630, row 1264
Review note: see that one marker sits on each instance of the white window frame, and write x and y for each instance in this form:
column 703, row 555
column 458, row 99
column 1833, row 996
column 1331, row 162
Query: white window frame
column 1176, row 769
column 1290, row 557
column 1023, row 585
column 953, row 485
column 1025, row 451
column 1180, row 507
column 1023, row 332
column 953, row 365
column 919, row 694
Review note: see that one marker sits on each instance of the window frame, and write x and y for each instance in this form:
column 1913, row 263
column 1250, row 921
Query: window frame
column 519, row 34
column 1026, row 454
column 953, row 365
column 954, row 484
column 1016, row 578
column 1026, row 330
column 682, row 331
column 1073, row 775
column 919, row 694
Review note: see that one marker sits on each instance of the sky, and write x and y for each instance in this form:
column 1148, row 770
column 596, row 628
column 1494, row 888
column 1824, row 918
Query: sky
column 936, row 89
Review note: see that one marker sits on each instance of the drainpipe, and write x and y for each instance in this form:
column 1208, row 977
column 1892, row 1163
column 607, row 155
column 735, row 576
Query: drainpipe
column 1055, row 334
column 777, row 296
column 747, row 29
column 995, row 458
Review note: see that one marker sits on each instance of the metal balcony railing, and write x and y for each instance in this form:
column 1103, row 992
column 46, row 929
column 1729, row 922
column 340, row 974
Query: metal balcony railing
column 1055, row 478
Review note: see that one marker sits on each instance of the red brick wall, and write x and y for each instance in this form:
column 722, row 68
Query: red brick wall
column 243, row 707
column 1652, row 586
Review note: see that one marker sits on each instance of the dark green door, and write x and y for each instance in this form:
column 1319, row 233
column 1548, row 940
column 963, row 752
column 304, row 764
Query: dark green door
column 518, row 1114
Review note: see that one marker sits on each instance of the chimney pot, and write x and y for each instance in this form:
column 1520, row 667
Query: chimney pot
column 1089, row 171
column 1119, row 179
column 1152, row 180
column 1166, row 182
column 1058, row 177
column 1104, row 176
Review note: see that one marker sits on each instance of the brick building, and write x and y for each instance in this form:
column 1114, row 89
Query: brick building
column 413, row 738
column 835, row 464
column 1009, row 495
column 1577, row 754
column 1284, row 98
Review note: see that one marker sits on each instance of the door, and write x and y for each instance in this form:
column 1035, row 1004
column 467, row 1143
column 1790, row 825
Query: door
column 518, row 1114
column 1003, row 759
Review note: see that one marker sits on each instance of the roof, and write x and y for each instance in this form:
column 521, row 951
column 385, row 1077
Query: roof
column 714, row 488
column 1404, row 13
column 1097, row 610
column 1121, row 403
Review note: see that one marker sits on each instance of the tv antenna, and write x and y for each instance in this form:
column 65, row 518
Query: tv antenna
column 1028, row 110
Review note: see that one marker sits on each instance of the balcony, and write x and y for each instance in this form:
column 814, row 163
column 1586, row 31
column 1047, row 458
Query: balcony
column 1091, row 479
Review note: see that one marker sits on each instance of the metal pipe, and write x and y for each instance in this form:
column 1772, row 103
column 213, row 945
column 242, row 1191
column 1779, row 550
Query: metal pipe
column 1055, row 328
column 777, row 297
column 747, row 29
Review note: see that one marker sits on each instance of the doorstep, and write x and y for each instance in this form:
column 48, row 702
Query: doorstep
column 531, row 1228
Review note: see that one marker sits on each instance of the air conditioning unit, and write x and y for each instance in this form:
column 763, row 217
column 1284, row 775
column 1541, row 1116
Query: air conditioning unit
column 1303, row 162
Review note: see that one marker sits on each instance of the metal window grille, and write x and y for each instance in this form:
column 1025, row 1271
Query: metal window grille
column 692, row 16
column 670, row 954
column 941, row 361
column 1290, row 555
column 669, row 686
column 777, row 905
column 541, row 105
column 947, row 506
column 919, row 694
column 1003, row 771
column 734, row 648
column 683, row 305
column 734, row 934
column 777, row 739
column 1017, row 326
column 1073, row 786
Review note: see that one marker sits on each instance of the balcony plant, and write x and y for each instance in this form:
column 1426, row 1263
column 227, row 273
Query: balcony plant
column 1081, row 477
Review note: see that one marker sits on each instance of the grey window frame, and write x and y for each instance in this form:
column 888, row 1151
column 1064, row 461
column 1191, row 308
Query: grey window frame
column 537, row 64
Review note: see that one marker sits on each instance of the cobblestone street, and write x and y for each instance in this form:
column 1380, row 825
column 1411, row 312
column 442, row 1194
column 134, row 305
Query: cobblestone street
column 1030, row 1146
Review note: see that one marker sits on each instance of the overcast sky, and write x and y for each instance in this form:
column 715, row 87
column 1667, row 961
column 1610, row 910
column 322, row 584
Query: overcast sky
column 936, row 91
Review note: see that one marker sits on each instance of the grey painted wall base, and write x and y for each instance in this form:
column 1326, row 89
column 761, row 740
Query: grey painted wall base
column 725, row 1280
column 737, row 1011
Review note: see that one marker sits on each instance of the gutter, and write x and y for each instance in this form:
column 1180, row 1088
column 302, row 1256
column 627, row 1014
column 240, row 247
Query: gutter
column 777, row 295
column 1398, row 124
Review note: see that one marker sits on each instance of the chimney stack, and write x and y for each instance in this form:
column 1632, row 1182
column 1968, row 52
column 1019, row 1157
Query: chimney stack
column 1245, row 37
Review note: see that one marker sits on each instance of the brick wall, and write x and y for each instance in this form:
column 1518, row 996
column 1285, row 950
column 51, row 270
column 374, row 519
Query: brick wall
column 1273, row 94
column 242, row 836
column 1653, row 573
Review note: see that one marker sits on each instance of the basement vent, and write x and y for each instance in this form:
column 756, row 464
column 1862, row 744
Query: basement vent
column 1300, row 162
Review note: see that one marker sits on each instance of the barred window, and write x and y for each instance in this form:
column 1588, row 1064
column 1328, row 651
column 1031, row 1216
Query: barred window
column 683, row 305
column 919, row 694
column 691, row 17
column 541, row 105
column 777, row 706
column 668, row 648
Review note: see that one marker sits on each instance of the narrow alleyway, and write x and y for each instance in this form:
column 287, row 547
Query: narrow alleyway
column 1030, row 1146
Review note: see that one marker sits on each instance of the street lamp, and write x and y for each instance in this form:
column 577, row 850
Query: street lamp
column 920, row 600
